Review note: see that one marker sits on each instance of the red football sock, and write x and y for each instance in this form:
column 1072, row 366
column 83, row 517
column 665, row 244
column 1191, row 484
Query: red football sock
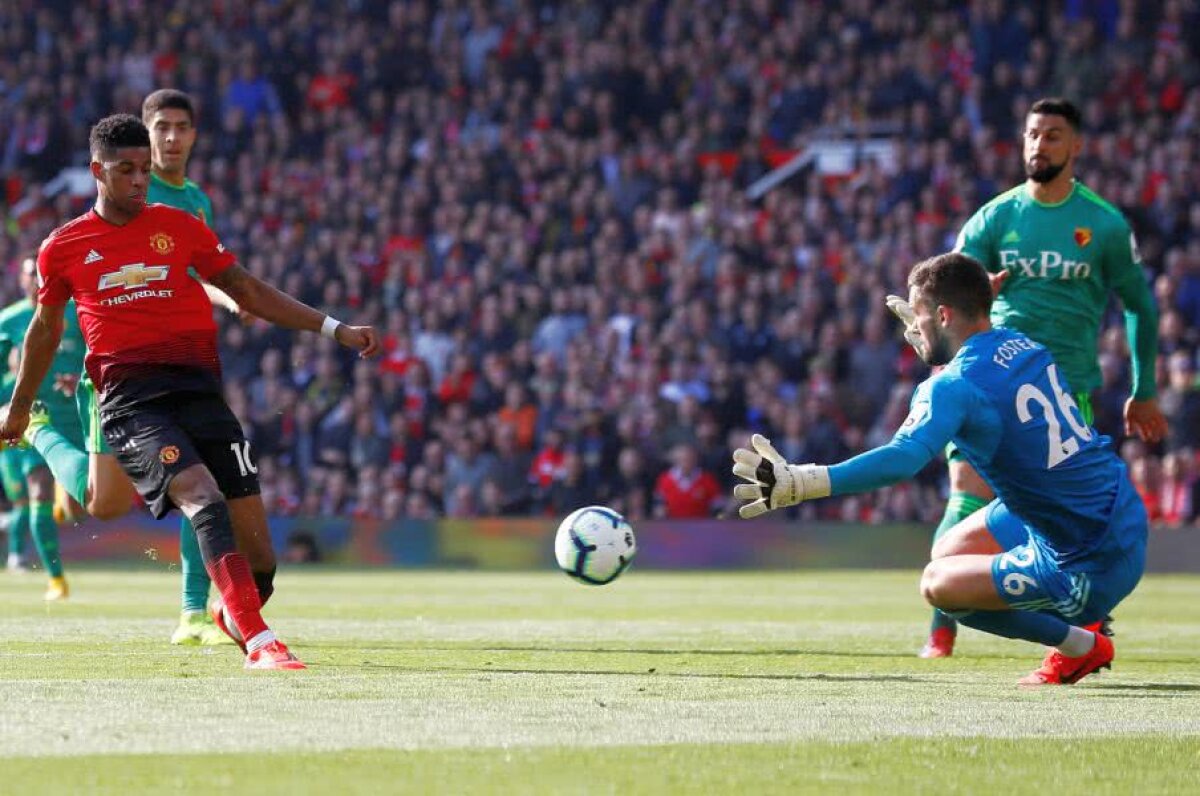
column 232, row 576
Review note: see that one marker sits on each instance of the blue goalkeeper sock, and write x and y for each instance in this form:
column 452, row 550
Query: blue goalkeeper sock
column 960, row 506
column 1028, row 625
column 195, row 576
column 18, row 529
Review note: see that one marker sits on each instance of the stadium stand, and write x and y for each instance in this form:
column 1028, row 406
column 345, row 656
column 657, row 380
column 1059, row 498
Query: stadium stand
column 546, row 207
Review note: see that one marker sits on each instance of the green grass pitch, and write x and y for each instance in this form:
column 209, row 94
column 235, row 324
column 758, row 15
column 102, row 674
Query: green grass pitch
column 513, row 683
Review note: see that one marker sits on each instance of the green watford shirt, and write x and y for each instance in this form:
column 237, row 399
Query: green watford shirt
column 14, row 323
column 1063, row 260
column 189, row 198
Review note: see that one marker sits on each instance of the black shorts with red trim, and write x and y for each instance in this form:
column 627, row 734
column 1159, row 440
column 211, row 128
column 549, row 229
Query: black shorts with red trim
column 160, row 438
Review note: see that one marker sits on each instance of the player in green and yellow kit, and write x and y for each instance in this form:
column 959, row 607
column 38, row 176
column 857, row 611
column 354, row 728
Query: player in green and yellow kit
column 15, row 489
column 171, row 118
column 1056, row 252
column 90, row 474
column 27, row 479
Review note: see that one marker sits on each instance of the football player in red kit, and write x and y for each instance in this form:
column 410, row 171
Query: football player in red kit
column 152, row 354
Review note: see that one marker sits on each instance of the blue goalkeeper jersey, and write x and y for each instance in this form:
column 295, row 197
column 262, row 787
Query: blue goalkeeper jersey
column 1002, row 401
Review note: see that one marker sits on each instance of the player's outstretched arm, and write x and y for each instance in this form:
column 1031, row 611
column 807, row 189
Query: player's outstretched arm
column 41, row 341
column 264, row 301
column 1124, row 267
column 772, row 483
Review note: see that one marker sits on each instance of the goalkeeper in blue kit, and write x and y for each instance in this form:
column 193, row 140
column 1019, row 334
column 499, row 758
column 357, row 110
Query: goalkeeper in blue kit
column 1056, row 253
column 1063, row 542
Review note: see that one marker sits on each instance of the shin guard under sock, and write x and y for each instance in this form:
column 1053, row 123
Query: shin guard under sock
column 265, row 581
column 229, row 570
column 231, row 574
column 18, row 529
column 44, row 531
column 1028, row 625
column 194, row 596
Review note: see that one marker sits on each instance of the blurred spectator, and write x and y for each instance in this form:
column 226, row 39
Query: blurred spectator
column 1180, row 402
column 685, row 491
column 548, row 465
column 519, row 415
column 1178, row 491
column 573, row 490
column 301, row 548
column 466, row 470
column 1146, row 473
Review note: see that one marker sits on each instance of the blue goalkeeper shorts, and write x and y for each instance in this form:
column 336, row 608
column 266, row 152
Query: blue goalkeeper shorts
column 1029, row 577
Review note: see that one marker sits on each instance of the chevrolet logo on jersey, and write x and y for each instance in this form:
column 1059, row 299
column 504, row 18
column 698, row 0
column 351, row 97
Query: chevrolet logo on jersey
column 133, row 276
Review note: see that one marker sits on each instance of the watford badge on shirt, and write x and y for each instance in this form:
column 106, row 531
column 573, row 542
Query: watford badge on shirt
column 1083, row 236
column 163, row 243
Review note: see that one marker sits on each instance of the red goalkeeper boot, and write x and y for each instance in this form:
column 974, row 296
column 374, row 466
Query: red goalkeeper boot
column 939, row 645
column 1058, row 669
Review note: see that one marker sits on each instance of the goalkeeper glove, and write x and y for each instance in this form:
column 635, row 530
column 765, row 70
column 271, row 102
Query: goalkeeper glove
column 904, row 311
column 772, row 483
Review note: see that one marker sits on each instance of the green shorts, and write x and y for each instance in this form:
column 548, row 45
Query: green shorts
column 89, row 416
column 15, row 466
column 1082, row 399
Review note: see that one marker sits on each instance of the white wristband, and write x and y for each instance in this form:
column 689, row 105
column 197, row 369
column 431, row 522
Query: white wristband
column 329, row 327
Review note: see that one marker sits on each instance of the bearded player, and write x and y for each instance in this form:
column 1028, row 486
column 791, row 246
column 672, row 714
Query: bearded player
column 152, row 354
column 1055, row 251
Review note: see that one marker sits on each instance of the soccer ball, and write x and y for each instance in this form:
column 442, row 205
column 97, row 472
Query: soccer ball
column 594, row 545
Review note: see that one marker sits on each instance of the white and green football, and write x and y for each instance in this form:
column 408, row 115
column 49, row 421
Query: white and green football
column 594, row 545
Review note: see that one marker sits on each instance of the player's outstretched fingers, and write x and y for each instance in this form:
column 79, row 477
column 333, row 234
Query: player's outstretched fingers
column 362, row 338
column 748, row 492
column 746, row 456
column 766, row 449
column 371, row 347
column 997, row 280
column 752, row 510
column 900, row 308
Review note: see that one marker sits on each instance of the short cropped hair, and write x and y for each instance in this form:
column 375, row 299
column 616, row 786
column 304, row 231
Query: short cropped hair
column 115, row 132
column 168, row 98
column 1057, row 106
column 954, row 280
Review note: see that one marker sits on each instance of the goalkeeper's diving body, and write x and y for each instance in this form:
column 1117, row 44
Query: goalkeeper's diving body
column 1063, row 542
column 1056, row 252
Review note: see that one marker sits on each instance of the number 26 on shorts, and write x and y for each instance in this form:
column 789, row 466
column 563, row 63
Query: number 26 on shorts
column 1016, row 583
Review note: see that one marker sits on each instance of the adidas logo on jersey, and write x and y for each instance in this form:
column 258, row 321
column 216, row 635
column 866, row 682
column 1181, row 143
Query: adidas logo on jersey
column 93, row 256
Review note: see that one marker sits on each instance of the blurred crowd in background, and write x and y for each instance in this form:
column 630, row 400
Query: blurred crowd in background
column 542, row 205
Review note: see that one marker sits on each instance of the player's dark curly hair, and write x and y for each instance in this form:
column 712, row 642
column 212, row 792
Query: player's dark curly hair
column 1057, row 106
column 118, row 131
column 955, row 280
column 168, row 98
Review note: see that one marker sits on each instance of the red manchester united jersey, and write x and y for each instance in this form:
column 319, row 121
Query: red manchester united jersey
column 147, row 323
